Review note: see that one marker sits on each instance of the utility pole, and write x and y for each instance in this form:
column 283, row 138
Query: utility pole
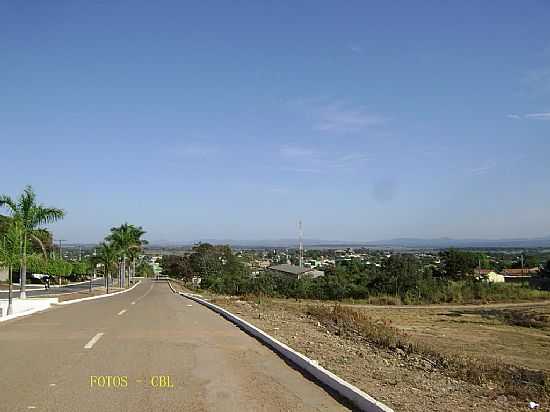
column 60, row 248
column 10, row 308
column 301, row 234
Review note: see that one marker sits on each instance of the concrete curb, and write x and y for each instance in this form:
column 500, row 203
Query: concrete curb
column 35, row 286
column 21, row 314
column 171, row 287
column 175, row 291
column 74, row 284
column 70, row 302
column 354, row 395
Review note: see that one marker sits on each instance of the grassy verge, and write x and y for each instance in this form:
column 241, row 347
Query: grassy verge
column 520, row 382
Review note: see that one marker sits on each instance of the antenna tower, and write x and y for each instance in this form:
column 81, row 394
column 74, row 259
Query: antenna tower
column 301, row 234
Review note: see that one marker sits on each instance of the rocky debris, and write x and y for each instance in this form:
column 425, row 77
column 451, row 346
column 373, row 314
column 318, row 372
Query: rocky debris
column 401, row 380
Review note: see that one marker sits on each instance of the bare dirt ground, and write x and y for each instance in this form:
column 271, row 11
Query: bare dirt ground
column 518, row 335
column 409, row 382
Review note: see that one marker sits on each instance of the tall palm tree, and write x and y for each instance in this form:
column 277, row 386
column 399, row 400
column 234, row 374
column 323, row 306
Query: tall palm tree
column 10, row 245
column 136, row 247
column 121, row 238
column 127, row 240
column 31, row 215
column 107, row 254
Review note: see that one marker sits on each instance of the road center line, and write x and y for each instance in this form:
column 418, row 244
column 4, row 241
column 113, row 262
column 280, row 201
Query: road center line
column 141, row 297
column 122, row 312
column 93, row 341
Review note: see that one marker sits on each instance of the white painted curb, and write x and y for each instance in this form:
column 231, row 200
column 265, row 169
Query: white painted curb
column 21, row 314
column 190, row 294
column 171, row 287
column 70, row 302
column 353, row 394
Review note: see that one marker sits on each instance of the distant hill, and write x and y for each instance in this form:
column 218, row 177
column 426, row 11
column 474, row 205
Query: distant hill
column 277, row 243
column 436, row 243
column 448, row 242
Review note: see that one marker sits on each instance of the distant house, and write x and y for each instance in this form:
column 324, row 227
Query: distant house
column 263, row 264
column 519, row 275
column 490, row 276
column 507, row 275
column 297, row 271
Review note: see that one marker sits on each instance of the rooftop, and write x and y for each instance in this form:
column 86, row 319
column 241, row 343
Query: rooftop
column 291, row 269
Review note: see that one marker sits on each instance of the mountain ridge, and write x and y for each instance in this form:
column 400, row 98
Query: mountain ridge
column 410, row 242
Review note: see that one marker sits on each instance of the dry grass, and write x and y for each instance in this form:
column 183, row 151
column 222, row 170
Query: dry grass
column 384, row 300
column 509, row 379
column 519, row 317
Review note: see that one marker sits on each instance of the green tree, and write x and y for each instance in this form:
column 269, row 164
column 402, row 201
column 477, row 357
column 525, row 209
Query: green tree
column 136, row 247
column 144, row 269
column 31, row 216
column 458, row 263
column 10, row 256
column 206, row 259
column 59, row 268
column 83, row 267
column 177, row 267
column 37, row 263
column 4, row 224
column 108, row 256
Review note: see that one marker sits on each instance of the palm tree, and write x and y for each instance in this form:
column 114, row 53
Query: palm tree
column 9, row 254
column 136, row 247
column 31, row 215
column 121, row 239
column 107, row 254
column 127, row 240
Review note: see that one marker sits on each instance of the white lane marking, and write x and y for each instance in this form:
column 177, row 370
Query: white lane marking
column 189, row 305
column 122, row 312
column 31, row 407
column 146, row 293
column 53, row 384
column 93, row 341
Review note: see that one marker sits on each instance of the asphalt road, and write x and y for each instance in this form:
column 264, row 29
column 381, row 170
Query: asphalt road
column 59, row 360
column 35, row 290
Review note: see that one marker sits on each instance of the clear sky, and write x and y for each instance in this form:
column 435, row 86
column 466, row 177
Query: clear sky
column 232, row 120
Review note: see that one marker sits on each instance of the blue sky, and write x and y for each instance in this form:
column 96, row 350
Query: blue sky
column 232, row 120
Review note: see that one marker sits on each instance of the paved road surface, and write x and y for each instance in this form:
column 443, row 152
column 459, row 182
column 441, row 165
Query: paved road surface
column 47, row 360
column 34, row 292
